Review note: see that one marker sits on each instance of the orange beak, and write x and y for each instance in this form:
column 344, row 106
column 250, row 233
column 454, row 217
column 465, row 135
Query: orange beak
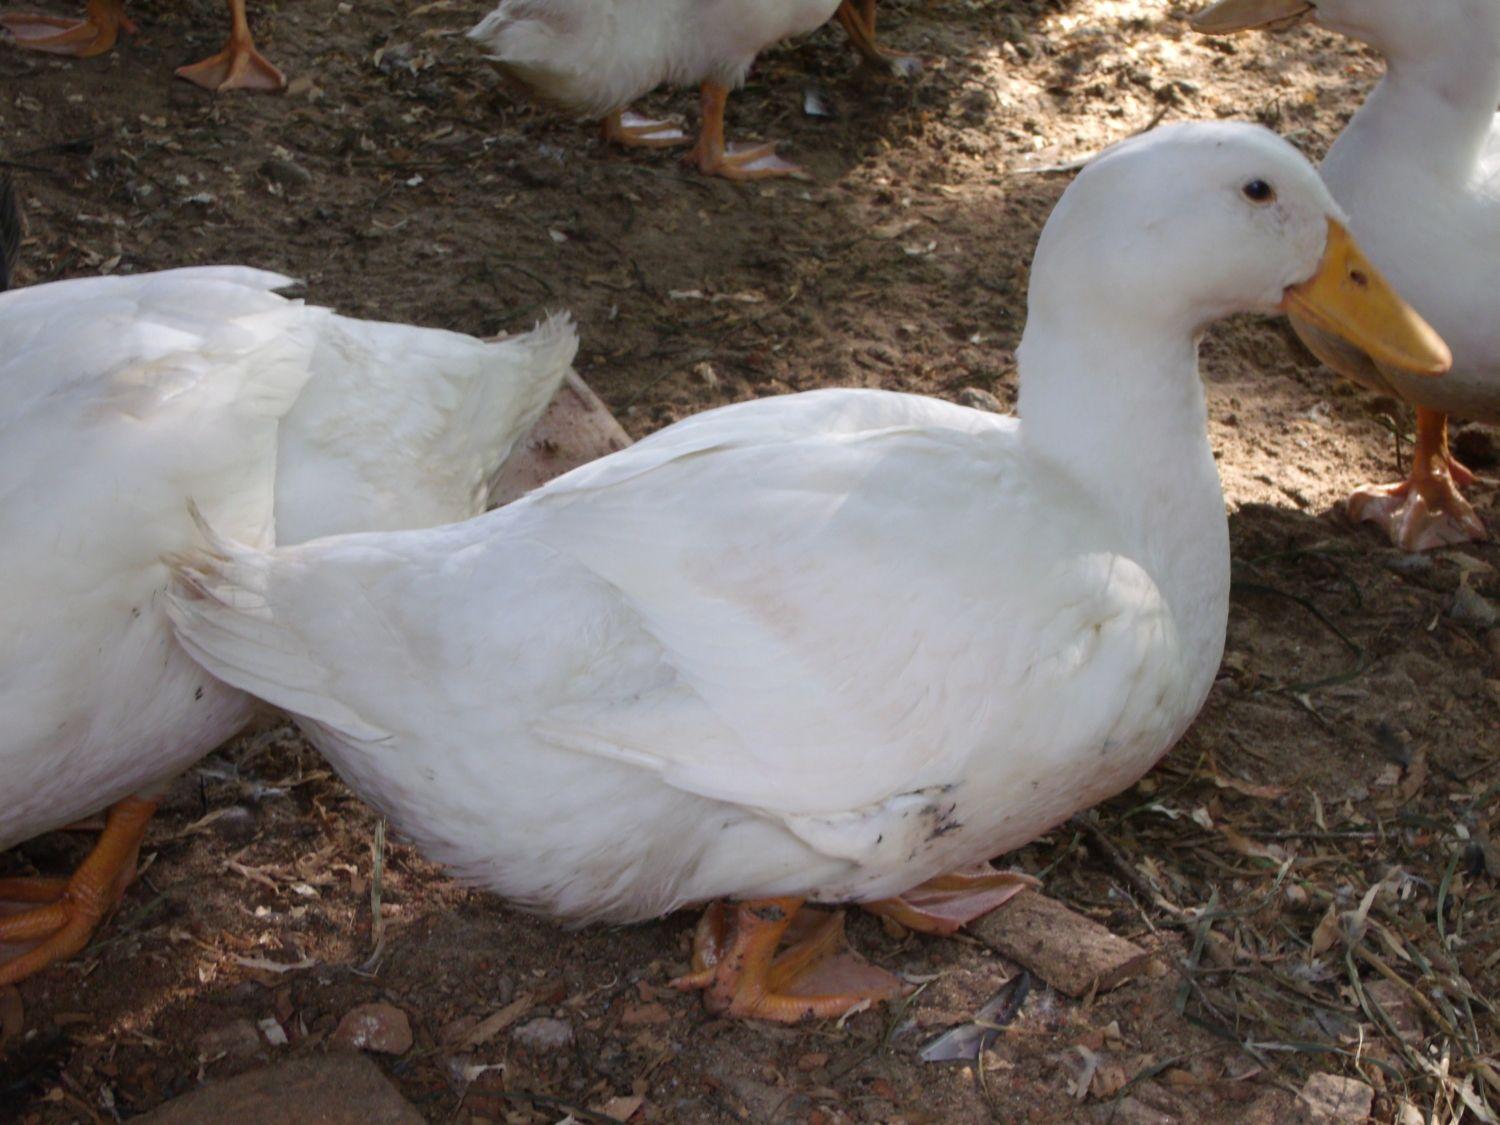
column 1348, row 298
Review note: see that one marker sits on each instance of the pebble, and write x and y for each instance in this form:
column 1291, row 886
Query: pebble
column 980, row 399
column 1473, row 608
column 544, row 1034
column 375, row 1027
column 287, row 173
column 1331, row 1097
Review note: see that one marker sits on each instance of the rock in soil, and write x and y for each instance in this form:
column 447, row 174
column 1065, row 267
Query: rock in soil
column 1331, row 1097
column 340, row 1089
column 375, row 1027
column 1072, row 953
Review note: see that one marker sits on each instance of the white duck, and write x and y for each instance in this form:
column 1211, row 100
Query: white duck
column 126, row 397
column 595, row 57
column 831, row 645
column 1418, row 171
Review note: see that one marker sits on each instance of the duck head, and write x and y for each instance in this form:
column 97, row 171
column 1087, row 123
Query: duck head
column 1395, row 28
column 1190, row 223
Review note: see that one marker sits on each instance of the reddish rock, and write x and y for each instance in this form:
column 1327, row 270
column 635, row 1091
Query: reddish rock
column 375, row 1027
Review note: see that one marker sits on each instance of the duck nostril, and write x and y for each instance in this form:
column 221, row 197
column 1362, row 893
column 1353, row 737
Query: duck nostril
column 1359, row 277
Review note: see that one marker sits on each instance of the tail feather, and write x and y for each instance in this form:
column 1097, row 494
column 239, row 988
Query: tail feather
column 589, row 56
column 499, row 422
column 221, row 607
column 11, row 226
column 407, row 427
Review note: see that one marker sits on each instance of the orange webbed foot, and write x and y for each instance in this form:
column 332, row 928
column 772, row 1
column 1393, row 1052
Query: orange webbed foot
column 743, row 973
column 944, row 904
column 634, row 131
column 859, row 22
column 70, row 910
column 1426, row 510
column 734, row 162
column 239, row 66
column 95, row 34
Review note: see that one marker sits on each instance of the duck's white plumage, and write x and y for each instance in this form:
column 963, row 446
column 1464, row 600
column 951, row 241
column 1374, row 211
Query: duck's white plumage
column 127, row 397
column 827, row 645
column 596, row 56
column 1416, row 170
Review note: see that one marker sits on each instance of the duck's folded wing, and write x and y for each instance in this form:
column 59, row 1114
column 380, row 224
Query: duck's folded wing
column 807, row 629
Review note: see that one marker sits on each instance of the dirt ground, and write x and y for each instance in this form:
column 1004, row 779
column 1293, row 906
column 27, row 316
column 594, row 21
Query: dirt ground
column 1351, row 743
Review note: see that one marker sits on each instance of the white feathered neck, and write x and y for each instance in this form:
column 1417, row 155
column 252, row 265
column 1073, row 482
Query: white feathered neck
column 1117, row 403
column 1430, row 115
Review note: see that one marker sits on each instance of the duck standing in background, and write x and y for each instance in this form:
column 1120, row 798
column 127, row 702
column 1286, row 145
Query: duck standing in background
column 239, row 66
column 595, row 57
column 831, row 646
column 1418, row 170
column 127, row 397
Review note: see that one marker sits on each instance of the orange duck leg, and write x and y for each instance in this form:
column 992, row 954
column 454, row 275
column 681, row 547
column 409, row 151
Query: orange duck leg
column 69, row 910
column 1426, row 510
column 93, row 35
column 858, row 20
column 743, row 973
column 239, row 66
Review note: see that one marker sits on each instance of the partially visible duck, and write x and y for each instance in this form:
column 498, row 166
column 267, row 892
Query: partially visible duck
column 125, row 398
column 595, row 57
column 1418, row 170
column 829, row 646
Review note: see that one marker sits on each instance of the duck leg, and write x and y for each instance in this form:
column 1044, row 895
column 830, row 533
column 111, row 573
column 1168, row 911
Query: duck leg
column 69, row 910
column 858, row 20
column 239, row 66
column 737, row 966
column 93, row 35
column 750, row 162
column 942, row 905
column 1426, row 510
column 634, row 131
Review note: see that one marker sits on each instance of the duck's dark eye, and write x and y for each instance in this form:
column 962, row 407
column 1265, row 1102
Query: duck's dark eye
column 1258, row 191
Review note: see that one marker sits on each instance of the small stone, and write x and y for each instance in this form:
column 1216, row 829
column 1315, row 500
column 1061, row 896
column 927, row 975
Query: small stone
column 638, row 1014
column 705, row 374
column 237, row 1039
column 980, row 399
column 1473, row 608
column 287, row 173
column 302, row 86
column 1332, row 1097
column 544, row 1034
column 374, row 1027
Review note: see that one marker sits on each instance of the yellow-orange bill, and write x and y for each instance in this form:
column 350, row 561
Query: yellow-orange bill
column 1350, row 299
column 1248, row 15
